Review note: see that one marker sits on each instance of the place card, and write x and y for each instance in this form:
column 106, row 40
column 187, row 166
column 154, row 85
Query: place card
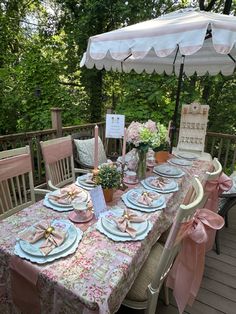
column 99, row 204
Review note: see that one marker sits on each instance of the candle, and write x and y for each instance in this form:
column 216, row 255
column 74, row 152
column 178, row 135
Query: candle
column 124, row 147
column 96, row 147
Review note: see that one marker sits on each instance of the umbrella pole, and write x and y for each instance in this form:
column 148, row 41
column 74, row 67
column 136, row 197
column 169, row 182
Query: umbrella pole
column 174, row 119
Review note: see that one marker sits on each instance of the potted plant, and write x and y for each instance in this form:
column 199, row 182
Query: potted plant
column 161, row 144
column 109, row 178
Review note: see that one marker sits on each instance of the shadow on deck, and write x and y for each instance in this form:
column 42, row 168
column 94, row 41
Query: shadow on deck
column 218, row 289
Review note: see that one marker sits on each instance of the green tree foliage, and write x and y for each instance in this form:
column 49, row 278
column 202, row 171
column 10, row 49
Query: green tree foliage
column 42, row 43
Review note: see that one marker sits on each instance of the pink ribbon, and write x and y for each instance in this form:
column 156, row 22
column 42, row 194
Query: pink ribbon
column 186, row 274
column 123, row 223
column 215, row 188
column 53, row 239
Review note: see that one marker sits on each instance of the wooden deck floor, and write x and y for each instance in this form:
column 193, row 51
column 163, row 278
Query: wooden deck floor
column 218, row 290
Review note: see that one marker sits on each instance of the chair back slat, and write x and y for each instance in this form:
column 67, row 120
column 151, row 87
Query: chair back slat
column 59, row 163
column 16, row 181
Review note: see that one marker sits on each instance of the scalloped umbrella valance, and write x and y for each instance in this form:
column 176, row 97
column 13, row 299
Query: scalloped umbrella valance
column 185, row 41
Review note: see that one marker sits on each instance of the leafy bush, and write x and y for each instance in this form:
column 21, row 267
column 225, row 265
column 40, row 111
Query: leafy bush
column 108, row 177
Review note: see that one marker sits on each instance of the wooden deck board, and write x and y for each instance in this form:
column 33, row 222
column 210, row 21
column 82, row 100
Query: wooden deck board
column 218, row 289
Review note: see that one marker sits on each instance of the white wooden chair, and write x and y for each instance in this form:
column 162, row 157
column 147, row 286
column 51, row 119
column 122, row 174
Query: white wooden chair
column 192, row 130
column 59, row 162
column 146, row 288
column 215, row 174
column 16, row 181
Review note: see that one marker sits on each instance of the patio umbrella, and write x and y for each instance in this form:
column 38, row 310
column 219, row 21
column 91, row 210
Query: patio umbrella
column 185, row 41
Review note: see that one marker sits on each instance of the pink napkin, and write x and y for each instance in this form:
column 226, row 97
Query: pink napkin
column 53, row 239
column 146, row 198
column 159, row 182
column 66, row 195
column 186, row 274
column 123, row 222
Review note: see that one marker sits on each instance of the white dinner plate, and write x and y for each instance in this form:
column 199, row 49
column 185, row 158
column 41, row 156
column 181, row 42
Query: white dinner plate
column 169, row 185
column 167, row 170
column 49, row 258
column 134, row 194
column 187, row 155
column 82, row 196
column 180, row 161
column 111, row 227
column 82, row 181
column 34, row 248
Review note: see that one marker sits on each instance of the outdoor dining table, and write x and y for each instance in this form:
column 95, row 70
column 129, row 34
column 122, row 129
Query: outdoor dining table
column 97, row 277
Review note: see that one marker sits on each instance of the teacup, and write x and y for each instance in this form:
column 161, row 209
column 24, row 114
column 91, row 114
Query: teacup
column 151, row 162
column 80, row 208
column 131, row 177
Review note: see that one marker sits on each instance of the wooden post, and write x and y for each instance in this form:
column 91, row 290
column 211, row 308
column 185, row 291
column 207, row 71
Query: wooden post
column 56, row 120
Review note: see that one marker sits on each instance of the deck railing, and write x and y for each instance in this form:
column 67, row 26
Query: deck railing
column 218, row 145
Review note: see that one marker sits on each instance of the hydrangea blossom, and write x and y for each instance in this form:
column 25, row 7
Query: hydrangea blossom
column 143, row 135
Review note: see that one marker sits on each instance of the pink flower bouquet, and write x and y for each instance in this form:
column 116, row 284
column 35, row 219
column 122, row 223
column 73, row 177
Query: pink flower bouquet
column 143, row 135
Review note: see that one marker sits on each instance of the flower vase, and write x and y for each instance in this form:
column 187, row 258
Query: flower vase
column 141, row 170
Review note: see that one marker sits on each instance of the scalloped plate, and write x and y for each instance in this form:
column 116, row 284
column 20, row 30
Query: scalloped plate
column 168, row 170
column 180, row 161
column 169, row 186
column 34, row 248
column 49, row 258
column 83, row 196
column 82, row 181
column 110, row 226
column 187, row 155
column 134, row 194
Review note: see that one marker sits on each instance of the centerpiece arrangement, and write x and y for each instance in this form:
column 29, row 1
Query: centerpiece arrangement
column 143, row 136
column 109, row 178
column 162, row 148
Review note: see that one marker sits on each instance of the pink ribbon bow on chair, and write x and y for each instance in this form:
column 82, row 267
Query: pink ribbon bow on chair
column 215, row 188
column 186, row 274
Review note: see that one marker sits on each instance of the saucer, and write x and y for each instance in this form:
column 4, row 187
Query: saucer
column 130, row 182
column 75, row 218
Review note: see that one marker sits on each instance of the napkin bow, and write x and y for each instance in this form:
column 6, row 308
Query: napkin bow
column 186, row 274
column 123, row 222
column 146, row 198
column 215, row 188
column 66, row 195
column 160, row 182
column 54, row 236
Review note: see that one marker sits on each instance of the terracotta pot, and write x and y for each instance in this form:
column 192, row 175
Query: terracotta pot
column 108, row 195
column 161, row 156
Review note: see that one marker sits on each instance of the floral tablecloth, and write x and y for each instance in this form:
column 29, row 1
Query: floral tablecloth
column 96, row 278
